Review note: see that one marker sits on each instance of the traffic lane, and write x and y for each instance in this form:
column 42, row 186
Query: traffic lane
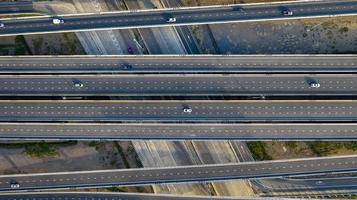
column 184, row 16
column 115, row 196
column 16, row 7
column 173, row 110
column 324, row 183
column 169, row 84
column 156, row 131
column 251, row 170
column 169, row 63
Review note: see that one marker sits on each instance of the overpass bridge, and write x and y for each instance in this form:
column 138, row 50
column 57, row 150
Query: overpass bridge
column 128, row 64
column 195, row 173
column 183, row 16
column 177, row 131
column 172, row 111
column 179, row 85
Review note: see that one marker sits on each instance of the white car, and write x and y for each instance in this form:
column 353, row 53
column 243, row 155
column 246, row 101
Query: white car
column 187, row 110
column 2, row 25
column 315, row 85
column 57, row 21
column 14, row 185
column 78, row 85
column 171, row 19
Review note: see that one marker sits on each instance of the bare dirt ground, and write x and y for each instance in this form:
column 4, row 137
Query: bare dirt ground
column 54, row 44
column 315, row 36
column 80, row 156
column 7, row 45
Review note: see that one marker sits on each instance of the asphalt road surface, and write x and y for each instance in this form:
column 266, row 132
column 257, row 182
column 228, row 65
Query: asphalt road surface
column 16, row 7
column 117, row 196
column 199, row 15
column 251, row 170
column 173, row 110
column 178, row 85
column 179, row 64
column 194, row 131
column 305, row 184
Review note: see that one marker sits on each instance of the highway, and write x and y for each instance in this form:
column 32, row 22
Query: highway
column 193, row 173
column 284, row 185
column 119, row 196
column 16, row 7
column 178, row 64
column 174, row 132
column 266, row 111
column 184, row 16
column 178, row 85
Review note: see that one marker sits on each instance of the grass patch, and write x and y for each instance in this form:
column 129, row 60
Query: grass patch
column 94, row 144
column 115, row 189
column 21, row 47
column 258, row 150
column 292, row 145
column 329, row 25
column 324, row 148
column 351, row 146
column 39, row 149
column 343, row 29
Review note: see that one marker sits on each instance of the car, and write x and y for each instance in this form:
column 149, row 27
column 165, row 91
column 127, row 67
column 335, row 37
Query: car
column 130, row 50
column 2, row 25
column 287, row 12
column 14, row 185
column 319, row 183
column 171, row 19
column 78, row 84
column 187, row 109
column 315, row 85
column 126, row 66
column 57, row 21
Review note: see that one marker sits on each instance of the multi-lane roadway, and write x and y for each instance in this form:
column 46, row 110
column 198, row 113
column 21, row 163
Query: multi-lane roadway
column 144, row 176
column 179, row 64
column 119, row 196
column 178, row 85
column 183, row 16
column 171, row 131
column 16, row 7
column 315, row 110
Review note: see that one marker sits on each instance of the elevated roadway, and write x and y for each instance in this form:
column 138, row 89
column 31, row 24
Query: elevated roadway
column 119, row 196
column 184, row 16
column 198, row 173
column 265, row 111
column 178, row 64
column 16, row 7
column 184, row 131
column 179, row 85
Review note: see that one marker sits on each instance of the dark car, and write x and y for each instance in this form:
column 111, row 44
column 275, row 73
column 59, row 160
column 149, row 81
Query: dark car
column 126, row 66
column 287, row 12
column 130, row 50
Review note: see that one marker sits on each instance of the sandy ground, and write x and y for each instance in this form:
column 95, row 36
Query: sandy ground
column 327, row 35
